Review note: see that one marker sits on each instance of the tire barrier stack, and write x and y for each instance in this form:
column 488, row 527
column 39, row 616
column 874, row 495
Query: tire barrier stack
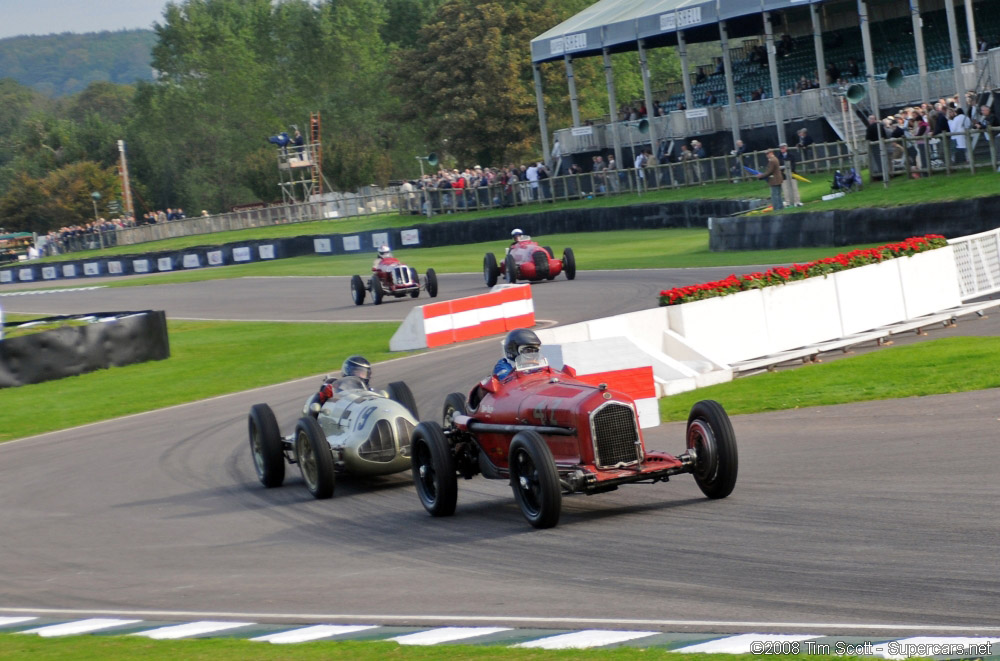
column 107, row 339
column 505, row 308
column 844, row 227
column 691, row 213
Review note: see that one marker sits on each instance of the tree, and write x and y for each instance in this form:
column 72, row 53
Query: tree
column 470, row 78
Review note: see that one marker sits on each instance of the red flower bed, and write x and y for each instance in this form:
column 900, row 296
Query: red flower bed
column 779, row 275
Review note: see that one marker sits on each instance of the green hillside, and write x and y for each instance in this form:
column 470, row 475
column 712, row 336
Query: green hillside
column 61, row 64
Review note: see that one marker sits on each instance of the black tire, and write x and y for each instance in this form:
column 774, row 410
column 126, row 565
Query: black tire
column 400, row 392
column 357, row 289
column 510, row 268
column 265, row 445
column 453, row 403
column 490, row 269
column 434, row 469
column 710, row 433
column 314, row 457
column 376, row 287
column 569, row 263
column 431, row 283
column 534, row 479
column 414, row 278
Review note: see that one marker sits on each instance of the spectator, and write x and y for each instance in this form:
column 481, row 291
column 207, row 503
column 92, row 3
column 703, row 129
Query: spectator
column 531, row 174
column 804, row 146
column 701, row 170
column 640, row 174
column 737, row 172
column 958, row 124
column 790, row 185
column 774, row 179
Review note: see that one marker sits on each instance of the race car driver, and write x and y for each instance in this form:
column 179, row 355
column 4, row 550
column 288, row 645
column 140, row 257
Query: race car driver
column 522, row 351
column 357, row 366
column 383, row 253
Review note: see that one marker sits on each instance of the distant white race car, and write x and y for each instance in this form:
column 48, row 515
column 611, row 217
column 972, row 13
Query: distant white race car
column 344, row 428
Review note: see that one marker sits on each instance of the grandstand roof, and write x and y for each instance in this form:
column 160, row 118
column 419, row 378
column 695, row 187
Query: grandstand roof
column 618, row 24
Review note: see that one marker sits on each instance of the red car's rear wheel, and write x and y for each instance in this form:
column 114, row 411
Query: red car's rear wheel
column 534, row 479
column 710, row 435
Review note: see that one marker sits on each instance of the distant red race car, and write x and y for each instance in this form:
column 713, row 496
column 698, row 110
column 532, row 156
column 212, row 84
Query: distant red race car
column 549, row 433
column 390, row 277
column 526, row 260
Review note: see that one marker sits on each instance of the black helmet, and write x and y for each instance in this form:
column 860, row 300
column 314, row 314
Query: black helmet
column 521, row 337
column 357, row 366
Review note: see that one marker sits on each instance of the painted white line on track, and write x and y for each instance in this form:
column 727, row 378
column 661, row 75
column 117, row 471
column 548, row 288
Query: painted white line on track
column 190, row 629
column 11, row 621
column 79, row 626
column 446, row 635
column 584, row 639
column 505, row 619
column 544, row 323
column 315, row 632
column 935, row 646
column 741, row 644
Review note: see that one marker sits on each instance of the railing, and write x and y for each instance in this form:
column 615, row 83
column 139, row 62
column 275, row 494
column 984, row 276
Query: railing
column 808, row 104
column 977, row 258
column 935, row 155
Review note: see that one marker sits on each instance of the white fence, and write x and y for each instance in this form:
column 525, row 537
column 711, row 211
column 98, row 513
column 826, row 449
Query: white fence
column 977, row 258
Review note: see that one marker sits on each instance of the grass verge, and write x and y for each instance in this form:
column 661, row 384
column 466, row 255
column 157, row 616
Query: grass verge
column 938, row 188
column 114, row 648
column 624, row 249
column 957, row 364
column 206, row 359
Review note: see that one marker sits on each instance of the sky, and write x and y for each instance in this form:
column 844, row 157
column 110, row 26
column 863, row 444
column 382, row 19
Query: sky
column 18, row 17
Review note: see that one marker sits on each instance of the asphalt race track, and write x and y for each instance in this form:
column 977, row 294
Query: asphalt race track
column 856, row 516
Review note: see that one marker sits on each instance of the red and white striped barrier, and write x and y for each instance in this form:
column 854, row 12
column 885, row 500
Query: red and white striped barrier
column 616, row 362
column 436, row 324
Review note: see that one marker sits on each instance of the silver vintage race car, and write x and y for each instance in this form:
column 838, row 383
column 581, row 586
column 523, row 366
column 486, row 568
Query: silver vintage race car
column 345, row 428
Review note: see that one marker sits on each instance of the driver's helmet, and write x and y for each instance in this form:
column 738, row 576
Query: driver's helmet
column 516, row 234
column 383, row 251
column 523, row 348
column 357, row 366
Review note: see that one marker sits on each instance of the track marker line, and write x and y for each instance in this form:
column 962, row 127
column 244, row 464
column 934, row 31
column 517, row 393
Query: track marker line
column 445, row 635
column 78, row 627
column 585, row 639
column 740, row 644
column 315, row 632
column 506, row 619
column 190, row 629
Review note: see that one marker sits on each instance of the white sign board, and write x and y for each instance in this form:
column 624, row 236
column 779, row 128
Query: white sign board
column 380, row 239
column 215, row 258
column 191, row 261
column 322, row 245
column 165, row 264
column 69, row 270
column 410, row 237
column 679, row 19
column 25, row 274
column 140, row 265
column 115, row 268
column 48, row 273
column 6, row 276
column 696, row 113
column 241, row 254
column 352, row 243
column 266, row 252
column 582, row 130
column 92, row 268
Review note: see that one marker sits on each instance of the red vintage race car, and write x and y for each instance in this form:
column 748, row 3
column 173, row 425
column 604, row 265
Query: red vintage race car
column 526, row 260
column 549, row 433
column 390, row 277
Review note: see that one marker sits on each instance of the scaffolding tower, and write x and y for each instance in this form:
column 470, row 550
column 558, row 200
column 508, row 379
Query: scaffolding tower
column 300, row 166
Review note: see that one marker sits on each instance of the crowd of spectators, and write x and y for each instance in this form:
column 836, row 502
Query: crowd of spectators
column 476, row 187
column 101, row 232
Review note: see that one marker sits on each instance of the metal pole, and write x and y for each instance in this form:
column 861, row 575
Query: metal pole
column 573, row 102
column 918, row 38
column 866, row 43
column 818, row 45
column 772, row 64
column 685, row 72
column 543, row 124
column 613, row 106
column 648, row 94
column 956, row 57
column 727, row 62
column 970, row 25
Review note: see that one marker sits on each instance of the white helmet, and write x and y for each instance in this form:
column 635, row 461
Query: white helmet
column 516, row 232
column 383, row 251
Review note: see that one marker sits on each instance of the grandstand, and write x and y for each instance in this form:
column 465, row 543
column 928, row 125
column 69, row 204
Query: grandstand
column 807, row 38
